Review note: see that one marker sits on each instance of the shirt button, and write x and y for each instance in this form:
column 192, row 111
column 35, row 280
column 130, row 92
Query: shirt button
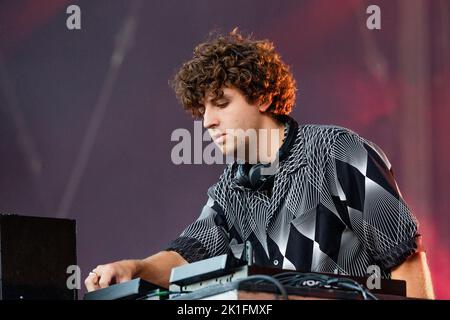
column 275, row 262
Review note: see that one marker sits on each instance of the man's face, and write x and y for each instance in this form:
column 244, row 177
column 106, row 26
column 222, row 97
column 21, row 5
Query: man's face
column 227, row 117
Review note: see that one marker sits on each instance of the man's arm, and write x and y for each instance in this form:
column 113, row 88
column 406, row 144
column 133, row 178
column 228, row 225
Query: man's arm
column 416, row 273
column 386, row 227
column 205, row 237
column 155, row 269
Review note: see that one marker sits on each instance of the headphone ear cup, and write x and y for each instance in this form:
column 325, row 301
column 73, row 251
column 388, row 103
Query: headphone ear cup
column 242, row 176
column 257, row 180
column 250, row 177
column 285, row 149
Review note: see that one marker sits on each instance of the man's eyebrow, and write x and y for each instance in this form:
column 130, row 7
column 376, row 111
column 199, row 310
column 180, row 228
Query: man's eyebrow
column 214, row 100
column 226, row 97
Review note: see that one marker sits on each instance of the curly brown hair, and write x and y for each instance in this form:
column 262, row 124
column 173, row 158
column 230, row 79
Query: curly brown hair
column 234, row 61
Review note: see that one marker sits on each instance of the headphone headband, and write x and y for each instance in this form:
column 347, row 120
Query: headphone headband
column 292, row 129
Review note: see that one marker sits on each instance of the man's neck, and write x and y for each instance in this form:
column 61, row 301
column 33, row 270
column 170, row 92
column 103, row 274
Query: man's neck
column 270, row 140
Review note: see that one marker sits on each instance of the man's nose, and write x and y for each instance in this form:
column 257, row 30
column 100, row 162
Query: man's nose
column 210, row 119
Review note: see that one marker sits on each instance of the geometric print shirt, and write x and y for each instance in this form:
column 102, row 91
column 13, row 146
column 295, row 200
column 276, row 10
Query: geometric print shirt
column 335, row 207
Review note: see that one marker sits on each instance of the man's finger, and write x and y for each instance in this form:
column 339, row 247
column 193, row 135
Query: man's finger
column 105, row 279
column 91, row 282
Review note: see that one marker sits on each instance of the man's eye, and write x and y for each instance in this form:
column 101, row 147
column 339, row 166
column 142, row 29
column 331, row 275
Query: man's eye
column 222, row 105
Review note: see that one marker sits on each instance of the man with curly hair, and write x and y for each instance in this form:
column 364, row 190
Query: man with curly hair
column 330, row 205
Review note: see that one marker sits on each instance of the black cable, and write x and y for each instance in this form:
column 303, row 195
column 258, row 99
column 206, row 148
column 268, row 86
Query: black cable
column 297, row 279
column 353, row 285
column 269, row 279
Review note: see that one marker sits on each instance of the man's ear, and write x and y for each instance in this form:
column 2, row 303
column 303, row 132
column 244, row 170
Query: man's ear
column 264, row 107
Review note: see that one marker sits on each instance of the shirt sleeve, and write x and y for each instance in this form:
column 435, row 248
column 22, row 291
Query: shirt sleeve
column 371, row 202
column 206, row 237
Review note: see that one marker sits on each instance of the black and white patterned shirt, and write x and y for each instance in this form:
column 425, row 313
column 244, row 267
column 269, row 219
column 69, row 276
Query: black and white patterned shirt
column 335, row 207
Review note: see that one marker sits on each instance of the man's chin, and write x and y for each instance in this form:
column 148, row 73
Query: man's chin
column 227, row 152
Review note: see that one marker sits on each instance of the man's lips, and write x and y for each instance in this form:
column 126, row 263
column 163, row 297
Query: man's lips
column 219, row 137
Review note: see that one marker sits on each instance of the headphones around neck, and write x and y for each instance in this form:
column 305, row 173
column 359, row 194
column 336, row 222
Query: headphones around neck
column 251, row 177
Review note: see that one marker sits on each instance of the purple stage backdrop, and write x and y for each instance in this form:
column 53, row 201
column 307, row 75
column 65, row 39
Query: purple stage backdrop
column 86, row 135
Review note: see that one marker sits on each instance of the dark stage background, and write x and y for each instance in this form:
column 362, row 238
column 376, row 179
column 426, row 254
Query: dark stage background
column 65, row 152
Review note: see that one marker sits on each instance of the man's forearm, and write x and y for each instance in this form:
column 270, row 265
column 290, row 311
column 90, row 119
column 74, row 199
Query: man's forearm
column 157, row 267
column 417, row 275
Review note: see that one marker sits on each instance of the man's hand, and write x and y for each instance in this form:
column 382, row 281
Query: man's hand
column 155, row 269
column 117, row 272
